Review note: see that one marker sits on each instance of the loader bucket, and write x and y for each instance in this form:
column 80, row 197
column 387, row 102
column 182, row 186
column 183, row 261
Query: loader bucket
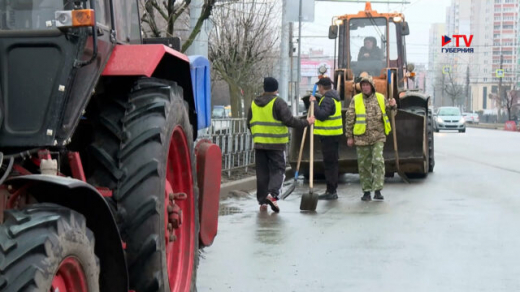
column 411, row 141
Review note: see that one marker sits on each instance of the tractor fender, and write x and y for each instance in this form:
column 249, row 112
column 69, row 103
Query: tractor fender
column 85, row 199
column 209, row 169
column 157, row 61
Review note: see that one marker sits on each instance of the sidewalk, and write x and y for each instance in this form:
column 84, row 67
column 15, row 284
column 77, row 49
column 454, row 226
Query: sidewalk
column 245, row 185
column 492, row 126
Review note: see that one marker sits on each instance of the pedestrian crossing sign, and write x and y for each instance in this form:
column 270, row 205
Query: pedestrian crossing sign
column 446, row 69
column 500, row 73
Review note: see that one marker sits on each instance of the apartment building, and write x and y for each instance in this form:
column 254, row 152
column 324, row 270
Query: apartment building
column 436, row 61
column 494, row 25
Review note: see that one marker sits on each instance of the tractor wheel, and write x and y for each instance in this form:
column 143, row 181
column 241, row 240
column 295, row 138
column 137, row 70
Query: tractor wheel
column 431, row 149
column 102, row 167
column 148, row 155
column 46, row 247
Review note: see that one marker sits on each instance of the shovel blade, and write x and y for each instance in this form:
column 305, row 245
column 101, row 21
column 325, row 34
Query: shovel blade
column 309, row 201
column 289, row 190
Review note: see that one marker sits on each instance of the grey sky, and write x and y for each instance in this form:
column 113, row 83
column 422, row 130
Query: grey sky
column 420, row 14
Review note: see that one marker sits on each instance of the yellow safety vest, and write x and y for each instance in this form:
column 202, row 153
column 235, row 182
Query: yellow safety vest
column 333, row 125
column 361, row 115
column 264, row 127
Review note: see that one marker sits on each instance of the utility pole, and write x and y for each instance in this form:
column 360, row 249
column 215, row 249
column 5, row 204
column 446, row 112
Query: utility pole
column 468, row 98
column 442, row 89
column 284, row 54
column 500, row 85
column 200, row 44
column 434, row 96
column 294, row 103
column 299, row 52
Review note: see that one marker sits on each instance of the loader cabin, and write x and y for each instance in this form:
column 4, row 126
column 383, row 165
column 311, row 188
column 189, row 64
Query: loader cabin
column 370, row 42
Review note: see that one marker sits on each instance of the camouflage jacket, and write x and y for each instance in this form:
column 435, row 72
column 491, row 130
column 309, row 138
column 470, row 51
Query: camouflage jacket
column 375, row 131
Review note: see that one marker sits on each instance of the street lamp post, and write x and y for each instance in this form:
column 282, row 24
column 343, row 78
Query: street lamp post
column 297, row 89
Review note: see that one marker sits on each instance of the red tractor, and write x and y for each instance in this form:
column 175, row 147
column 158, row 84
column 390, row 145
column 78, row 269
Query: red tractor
column 101, row 186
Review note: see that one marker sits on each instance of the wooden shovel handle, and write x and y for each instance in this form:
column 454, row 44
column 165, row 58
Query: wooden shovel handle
column 338, row 84
column 392, row 119
column 311, row 161
column 302, row 144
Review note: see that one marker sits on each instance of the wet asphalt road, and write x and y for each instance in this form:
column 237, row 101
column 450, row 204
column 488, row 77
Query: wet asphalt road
column 457, row 230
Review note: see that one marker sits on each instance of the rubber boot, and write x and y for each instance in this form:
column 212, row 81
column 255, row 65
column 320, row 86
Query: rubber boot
column 328, row 196
column 378, row 196
column 366, row 197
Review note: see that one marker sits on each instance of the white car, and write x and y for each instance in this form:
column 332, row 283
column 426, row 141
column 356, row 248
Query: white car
column 471, row 118
column 449, row 118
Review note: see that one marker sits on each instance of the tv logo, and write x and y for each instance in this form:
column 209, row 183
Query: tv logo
column 467, row 41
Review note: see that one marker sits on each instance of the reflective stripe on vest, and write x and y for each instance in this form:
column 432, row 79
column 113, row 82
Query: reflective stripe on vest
column 333, row 125
column 265, row 129
column 361, row 116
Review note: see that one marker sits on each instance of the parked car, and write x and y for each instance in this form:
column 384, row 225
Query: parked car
column 449, row 118
column 227, row 110
column 220, row 119
column 221, row 112
column 471, row 118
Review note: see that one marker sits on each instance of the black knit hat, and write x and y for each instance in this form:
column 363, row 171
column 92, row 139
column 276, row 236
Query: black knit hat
column 270, row 84
column 325, row 81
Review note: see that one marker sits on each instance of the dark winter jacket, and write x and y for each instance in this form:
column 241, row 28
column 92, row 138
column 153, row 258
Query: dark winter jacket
column 281, row 113
column 327, row 107
column 374, row 54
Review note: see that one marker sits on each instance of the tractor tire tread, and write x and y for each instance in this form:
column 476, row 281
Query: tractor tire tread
column 34, row 240
column 103, row 169
column 151, row 108
column 431, row 141
column 136, row 126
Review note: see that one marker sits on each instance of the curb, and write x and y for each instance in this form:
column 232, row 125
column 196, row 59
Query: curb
column 244, row 185
column 486, row 126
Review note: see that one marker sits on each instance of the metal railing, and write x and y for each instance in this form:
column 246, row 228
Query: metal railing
column 235, row 141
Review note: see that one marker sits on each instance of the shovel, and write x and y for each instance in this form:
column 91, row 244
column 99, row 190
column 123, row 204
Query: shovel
column 293, row 185
column 310, row 200
column 394, row 134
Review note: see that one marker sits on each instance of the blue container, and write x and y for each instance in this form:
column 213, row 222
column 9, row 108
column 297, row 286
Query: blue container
column 201, row 81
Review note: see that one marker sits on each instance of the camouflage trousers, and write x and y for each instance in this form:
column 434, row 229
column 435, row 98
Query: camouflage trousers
column 371, row 166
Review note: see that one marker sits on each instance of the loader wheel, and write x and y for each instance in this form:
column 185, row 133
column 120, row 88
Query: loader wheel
column 416, row 175
column 431, row 157
column 431, row 148
column 317, row 176
column 46, row 247
column 148, row 154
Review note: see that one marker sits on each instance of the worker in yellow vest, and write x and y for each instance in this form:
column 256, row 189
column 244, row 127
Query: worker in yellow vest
column 367, row 127
column 329, row 127
column 268, row 119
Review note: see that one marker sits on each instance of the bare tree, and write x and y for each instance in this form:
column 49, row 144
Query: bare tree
column 512, row 101
column 160, row 18
column 509, row 101
column 241, row 48
column 453, row 89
